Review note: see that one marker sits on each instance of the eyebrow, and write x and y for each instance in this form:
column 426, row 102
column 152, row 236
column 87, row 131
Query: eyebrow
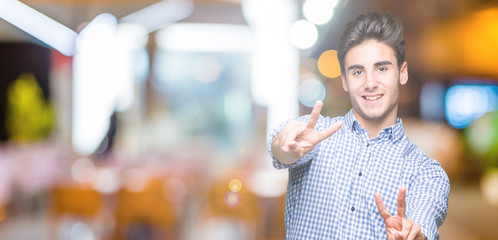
column 381, row 63
column 355, row 67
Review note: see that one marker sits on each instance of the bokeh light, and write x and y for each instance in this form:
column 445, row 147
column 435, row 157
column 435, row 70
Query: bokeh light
column 482, row 137
column 232, row 199
column 106, row 181
column 83, row 170
column 81, row 231
column 319, row 11
column 303, row 34
column 268, row 14
column 311, row 90
column 235, row 185
column 328, row 64
column 464, row 103
column 134, row 180
column 268, row 183
column 489, row 186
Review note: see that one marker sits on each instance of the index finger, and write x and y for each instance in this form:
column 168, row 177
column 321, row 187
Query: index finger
column 315, row 114
column 384, row 213
column 401, row 202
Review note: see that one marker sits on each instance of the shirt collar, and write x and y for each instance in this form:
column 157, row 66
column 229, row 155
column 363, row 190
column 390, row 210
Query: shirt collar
column 350, row 122
column 394, row 132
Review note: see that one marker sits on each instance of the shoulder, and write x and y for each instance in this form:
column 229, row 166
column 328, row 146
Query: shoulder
column 412, row 153
column 421, row 163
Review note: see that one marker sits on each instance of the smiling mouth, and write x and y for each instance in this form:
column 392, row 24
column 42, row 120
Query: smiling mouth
column 372, row 98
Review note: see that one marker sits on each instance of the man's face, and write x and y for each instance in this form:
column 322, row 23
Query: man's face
column 372, row 79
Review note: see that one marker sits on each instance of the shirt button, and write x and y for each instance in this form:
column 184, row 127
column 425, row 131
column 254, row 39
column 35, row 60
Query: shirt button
column 368, row 144
column 352, row 209
column 359, row 174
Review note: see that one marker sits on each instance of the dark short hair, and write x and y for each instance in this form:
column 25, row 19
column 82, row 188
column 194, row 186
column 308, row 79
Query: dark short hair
column 383, row 28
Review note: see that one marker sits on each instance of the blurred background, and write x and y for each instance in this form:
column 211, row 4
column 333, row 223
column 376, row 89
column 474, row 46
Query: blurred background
column 146, row 119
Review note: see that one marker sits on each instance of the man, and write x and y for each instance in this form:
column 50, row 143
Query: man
column 358, row 176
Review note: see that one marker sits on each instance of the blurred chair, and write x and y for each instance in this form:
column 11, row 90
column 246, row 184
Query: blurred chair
column 145, row 213
column 230, row 212
column 74, row 201
column 77, row 200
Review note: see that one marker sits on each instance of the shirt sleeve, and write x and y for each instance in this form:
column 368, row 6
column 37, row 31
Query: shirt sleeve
column 427, row 198
column 304, row 159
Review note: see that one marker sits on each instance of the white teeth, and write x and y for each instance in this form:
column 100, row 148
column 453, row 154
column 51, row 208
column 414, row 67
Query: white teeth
column 372, row 98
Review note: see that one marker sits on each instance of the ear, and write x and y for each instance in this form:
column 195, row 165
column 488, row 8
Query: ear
column 403, row 73
column 344, row 83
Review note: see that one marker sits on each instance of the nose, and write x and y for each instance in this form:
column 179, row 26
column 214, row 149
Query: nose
column 370, row 82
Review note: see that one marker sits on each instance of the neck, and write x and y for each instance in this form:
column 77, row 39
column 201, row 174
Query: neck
column 376, row 125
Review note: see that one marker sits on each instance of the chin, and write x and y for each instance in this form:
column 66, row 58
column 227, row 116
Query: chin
column 373, row 115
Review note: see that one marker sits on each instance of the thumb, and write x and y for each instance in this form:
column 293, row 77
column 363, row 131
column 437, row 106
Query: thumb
column 293, row 145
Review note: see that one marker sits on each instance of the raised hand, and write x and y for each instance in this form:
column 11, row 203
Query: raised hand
column 298, row 138
column 399, row 227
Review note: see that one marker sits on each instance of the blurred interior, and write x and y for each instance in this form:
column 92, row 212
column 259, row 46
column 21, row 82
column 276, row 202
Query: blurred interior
column 147, row 119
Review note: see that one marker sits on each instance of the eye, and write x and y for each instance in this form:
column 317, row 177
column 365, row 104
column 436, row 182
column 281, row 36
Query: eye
column 382, row 69
column 357, row 72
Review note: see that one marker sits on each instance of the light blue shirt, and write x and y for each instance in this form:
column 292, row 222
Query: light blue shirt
column 330, row 194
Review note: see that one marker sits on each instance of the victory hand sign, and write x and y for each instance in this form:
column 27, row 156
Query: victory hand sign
column 298, row 138
column 399, row 227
